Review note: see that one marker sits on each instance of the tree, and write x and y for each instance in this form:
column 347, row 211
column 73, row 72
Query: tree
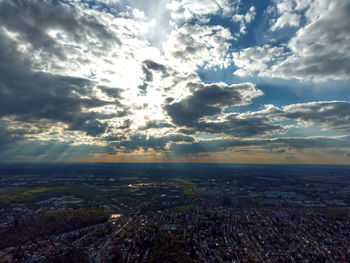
column 117, row 257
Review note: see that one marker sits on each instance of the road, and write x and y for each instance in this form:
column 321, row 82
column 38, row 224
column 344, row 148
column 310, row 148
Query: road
column 105, row 245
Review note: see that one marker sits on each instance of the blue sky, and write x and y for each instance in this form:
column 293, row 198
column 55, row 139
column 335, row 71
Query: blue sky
column 175, row 81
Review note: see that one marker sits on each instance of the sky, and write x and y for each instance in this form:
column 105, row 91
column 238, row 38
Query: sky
column 222, row 81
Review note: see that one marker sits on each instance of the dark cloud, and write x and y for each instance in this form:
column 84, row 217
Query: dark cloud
column 31, row 95
column 169, row 100
column 8, row 138
column 207, row 146
column 314, row 142
column 114, row 93
column 126, row 124
column 114, row 138
column 204, row 146
column 33, row 19
column 208, row 100
column 238, row 127
column 147, row 67
column 187, row 131
column 42, row 95
column 151, row 65
column 331, row 115
column 91, row 127
column 334, row 115
column 148, row 78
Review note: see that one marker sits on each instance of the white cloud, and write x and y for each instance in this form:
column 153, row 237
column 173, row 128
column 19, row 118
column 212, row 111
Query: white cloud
column 288, row 13
column 256, row 60
column 287, row 19
column 245, row 19
column 108, row 2
column 319, row 51
column 193, row 46
column 188, row 9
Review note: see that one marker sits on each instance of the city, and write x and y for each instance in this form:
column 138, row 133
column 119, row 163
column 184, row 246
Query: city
column 174, row 213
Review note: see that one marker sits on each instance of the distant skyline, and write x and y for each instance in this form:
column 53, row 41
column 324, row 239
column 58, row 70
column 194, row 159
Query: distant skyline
column 175, row 81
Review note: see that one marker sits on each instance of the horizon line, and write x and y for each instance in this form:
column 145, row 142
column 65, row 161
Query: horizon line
column 187, row 163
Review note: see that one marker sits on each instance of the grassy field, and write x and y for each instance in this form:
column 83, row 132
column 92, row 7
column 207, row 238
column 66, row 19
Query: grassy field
column 183, row 208
column 13, row 190
column 24, row 196
column 41, row 193
column 188, row 190
column 187, row 185
column 182, row 180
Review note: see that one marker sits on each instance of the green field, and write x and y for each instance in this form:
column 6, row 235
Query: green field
column 24, row 196
column 187, row 185
column 182, row 180
column 183, row 208
column 41, row 193
column 188, row 190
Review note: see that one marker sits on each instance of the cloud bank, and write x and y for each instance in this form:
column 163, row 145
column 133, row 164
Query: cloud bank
column 94, row 80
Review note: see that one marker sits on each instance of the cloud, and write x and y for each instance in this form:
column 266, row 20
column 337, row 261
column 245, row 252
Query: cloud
column 47, row 151
column 154, row 124
column 193, row 45
column 318, row 51
column 8, row 138
column 245, row 19
column 139, row 141
column 220, row 145
column 147, row 67
column 79, row 65
column 288, row 13
column 234, row 125
column 116, row 77
column 209, row 100
column 204, row 146
column 256, row 60
column 329, row 115
column 112, row 93
column 202, row 111
column 31, row 95
column 314, row 142
column 35, row 19
column 199, row 9
column 287, row 19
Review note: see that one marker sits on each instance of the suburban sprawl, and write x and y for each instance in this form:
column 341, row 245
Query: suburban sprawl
column 174, row 213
